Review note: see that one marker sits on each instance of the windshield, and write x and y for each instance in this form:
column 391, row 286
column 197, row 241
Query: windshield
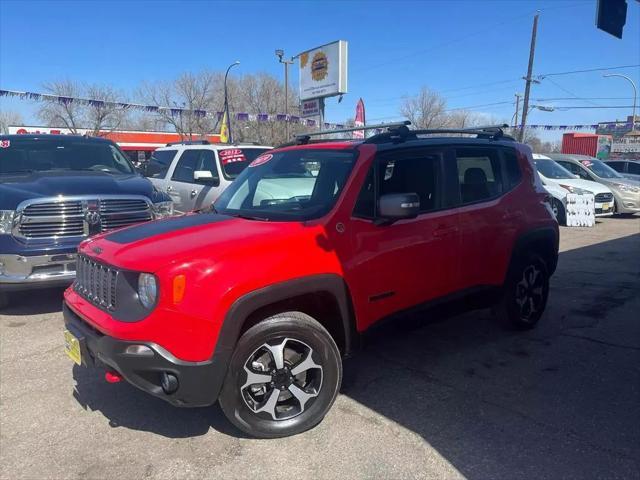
column 44, row 155
column 551, row 169
column 601, row 169
column 234, row 160
column 289, row 185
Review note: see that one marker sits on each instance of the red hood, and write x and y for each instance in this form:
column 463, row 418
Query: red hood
column 154, row 251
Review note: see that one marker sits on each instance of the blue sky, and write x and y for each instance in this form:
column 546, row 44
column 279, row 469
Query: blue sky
column 459, row 48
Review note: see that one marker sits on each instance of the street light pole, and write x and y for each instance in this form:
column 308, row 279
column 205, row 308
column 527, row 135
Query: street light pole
column 280, row 55
column 226, row 99
column 635, row 95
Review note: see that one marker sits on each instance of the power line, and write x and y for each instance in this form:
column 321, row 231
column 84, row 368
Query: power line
column 569, row 91
column 601, row 69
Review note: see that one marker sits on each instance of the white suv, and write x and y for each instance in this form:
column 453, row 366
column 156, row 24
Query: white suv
column 195, row 173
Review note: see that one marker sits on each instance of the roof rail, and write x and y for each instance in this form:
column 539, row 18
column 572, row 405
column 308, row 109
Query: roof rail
column 304, row 138
column 401, row 134
column 189, row 142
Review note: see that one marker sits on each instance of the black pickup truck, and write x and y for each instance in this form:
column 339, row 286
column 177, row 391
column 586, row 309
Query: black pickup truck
column 55, row 191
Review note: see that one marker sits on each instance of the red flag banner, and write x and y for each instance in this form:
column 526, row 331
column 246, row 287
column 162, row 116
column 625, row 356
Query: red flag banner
column 360, row 120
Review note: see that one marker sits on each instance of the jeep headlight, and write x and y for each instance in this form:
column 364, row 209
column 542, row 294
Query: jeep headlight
column 163, row 209
column 6, row 220
column 147, row 290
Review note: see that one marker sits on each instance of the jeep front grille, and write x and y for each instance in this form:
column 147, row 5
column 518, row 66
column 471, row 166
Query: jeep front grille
column 96, row 282
column 78, row 216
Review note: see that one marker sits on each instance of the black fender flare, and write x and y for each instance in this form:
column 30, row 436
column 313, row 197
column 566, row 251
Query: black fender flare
column 244, row 306
column 541, row 234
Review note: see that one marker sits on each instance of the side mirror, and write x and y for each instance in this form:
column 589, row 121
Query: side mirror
column 205, row 177
column 397, row 206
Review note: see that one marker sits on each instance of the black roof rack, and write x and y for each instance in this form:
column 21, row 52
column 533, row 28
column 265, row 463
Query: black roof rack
column 190, row 142
column 304, row 138
column 403, row 133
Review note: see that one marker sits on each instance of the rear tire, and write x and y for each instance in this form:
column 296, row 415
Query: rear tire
column 284, row 375
column 525, row 292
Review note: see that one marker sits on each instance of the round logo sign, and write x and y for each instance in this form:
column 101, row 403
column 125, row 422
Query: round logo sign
column 319, row 66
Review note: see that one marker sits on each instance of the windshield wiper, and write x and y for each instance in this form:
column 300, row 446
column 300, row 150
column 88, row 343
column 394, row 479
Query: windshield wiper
column 17, row 171
column 249, row 217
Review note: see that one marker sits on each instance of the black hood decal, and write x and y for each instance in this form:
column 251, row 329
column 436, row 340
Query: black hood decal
column 150, row 229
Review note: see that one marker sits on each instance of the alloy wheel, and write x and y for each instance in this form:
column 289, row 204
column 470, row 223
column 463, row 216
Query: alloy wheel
column 530, row 292
column 282, row 379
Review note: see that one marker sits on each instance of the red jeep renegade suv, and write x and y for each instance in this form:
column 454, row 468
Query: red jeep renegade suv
column 254, row 302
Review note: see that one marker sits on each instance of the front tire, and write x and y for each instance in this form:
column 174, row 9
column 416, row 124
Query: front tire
column 4, row 300
column 525, row 293
column 558, row 211
column 284, row 375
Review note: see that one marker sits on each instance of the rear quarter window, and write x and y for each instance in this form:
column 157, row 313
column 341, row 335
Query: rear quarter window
column 511, row 169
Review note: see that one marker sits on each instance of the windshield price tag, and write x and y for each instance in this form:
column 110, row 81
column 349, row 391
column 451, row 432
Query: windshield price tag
column 231, row 155
column 5, row 143
column 586, row 163
column 261, row 159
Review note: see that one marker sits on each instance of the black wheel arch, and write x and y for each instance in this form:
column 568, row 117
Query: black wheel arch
column 328, row 290
column 544, row 241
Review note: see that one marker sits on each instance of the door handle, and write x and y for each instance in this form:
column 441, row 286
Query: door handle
column 193, row 193
column 169, row 188
column 444, row 231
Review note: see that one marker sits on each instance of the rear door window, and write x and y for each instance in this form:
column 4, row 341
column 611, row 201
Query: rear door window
column 617, row 166
column 234, row 160
column 634, row 168
column 479, row 174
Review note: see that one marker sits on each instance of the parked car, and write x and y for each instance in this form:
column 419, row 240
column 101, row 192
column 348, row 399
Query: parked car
column 559, row 181
column 625, row 191
column 56, row 190
column 254, row 301
column 195, row 173
column 627, row 168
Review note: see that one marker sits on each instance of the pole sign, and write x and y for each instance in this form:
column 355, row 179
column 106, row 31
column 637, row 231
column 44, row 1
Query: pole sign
column 323, row 71
column 310, row 108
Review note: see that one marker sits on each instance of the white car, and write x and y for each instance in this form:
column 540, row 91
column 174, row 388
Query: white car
column 195, row 173
column 558, row 182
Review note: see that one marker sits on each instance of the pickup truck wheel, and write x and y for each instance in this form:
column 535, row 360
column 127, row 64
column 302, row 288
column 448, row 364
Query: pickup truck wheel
column 284, row 375
column 525, row 293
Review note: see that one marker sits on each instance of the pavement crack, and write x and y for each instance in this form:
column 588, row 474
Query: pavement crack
column 602, row 342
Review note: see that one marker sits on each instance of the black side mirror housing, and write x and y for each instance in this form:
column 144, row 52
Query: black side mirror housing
column 397, row 206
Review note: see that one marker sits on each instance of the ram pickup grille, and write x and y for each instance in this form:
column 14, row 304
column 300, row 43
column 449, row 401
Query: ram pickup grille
column 96, row 282
column 604, row 197
column 116, row 213
column 55, row 219
column 79, row 217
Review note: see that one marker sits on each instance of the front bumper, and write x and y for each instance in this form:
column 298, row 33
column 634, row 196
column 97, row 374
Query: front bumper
column 29, row 271
column 199, row 383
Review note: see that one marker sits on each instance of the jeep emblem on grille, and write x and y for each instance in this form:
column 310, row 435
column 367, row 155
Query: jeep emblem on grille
column 92, row 217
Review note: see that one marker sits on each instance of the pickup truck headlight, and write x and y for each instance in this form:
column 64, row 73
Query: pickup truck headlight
column 162, row 209
column 147, row 290
column 6, row 220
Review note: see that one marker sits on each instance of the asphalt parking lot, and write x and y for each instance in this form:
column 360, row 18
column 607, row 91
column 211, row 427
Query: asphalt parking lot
column 449, row 397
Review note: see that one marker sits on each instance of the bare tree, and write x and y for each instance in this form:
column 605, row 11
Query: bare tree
column 193, row 92
column 9, row 118
column 425, row 110
column 98, row 110
column 62, row 112
column 103, row 112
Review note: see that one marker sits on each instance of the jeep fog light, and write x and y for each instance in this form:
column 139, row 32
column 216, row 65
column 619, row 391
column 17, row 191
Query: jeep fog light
column 142, row 350
column 147, row 290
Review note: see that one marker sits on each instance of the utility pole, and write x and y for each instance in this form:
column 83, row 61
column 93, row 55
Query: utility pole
column 280, row 54
column 532, row 52
column 515, row 115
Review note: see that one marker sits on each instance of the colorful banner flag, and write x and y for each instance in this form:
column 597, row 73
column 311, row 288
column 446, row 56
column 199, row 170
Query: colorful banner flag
column 224, row 129
column 360, row 120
